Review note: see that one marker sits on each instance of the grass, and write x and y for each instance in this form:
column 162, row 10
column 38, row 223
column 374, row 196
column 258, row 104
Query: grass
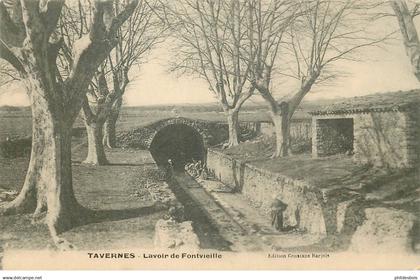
column 300, row 166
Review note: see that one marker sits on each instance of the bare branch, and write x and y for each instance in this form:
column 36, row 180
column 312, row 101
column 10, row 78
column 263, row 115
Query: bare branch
column 210, row 41
column 409, row 33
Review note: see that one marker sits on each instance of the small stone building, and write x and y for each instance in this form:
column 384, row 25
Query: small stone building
column 380, row 129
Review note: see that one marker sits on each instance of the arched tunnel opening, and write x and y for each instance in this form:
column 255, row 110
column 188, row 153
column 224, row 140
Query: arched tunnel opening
column 178, row 142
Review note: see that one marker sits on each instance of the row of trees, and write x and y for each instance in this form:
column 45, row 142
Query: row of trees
column 102, row 103
column 57, row 54
column 78, row 57
column 242, row 47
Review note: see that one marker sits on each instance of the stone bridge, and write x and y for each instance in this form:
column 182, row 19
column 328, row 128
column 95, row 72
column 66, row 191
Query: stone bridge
column 212, row 133
column 179, row 139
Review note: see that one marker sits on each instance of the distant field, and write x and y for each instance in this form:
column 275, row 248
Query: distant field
column 16, row 122
column 138, row 118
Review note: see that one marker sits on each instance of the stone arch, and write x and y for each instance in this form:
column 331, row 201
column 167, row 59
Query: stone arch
column 180, row 140
column 158, row 126
column 207, row 133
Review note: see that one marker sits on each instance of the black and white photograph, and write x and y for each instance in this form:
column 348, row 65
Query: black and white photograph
column 210, row 135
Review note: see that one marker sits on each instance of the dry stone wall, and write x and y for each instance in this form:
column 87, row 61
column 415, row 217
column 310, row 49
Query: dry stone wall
column 386, row 139
column 334, row 136
column 381, row 139
column 300, row 129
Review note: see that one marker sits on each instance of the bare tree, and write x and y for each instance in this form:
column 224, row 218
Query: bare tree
column 211, row 42
column 138, row 36
column 135, row 38
column 72, row 26
column 408, row 30
column 267, row 25
column 95, row 113
column 320, row 33
column 30, row 44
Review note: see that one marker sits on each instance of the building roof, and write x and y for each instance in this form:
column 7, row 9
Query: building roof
column 379, row 102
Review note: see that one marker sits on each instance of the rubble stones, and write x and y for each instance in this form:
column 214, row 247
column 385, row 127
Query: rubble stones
column 170, row 234
column 194, row 169
column 6, row 195
column 161, row 193
column 177, row 213
column 385, row 230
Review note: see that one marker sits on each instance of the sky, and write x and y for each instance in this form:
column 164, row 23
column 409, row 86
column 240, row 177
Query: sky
column 386, row 69
column 382, row 70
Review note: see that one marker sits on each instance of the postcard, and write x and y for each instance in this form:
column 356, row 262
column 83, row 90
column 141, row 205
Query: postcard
column 209, row 135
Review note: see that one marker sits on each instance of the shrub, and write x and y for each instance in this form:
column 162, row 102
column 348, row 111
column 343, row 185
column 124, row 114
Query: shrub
column 14, row 148
column 301, row 146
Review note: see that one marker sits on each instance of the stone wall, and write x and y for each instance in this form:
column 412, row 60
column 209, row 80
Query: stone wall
column 299, row 129
column 213, row 133
column 304, row 209
column 413, row 135
column 267, row 128
column 387, row 139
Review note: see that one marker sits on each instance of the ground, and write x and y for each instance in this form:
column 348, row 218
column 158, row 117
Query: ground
column 127, row 217
column 125, row 220
column 222, row 220
column 128, row 220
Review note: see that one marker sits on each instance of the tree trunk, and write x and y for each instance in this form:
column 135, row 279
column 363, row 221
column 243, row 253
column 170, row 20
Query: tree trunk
column 28, row 44
column 110, row 138
column 96, row 153
column 63, row 209
column 48, row 183
column 409, row 33
column 281, row 124
column 234, row 130
column 27, row 200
